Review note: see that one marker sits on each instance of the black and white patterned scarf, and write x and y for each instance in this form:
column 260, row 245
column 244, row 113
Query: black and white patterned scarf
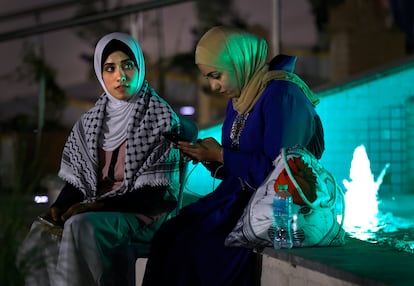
column 150, row 159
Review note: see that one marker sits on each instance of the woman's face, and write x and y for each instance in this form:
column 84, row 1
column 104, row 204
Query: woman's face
column 120, row 75
column 220, row 81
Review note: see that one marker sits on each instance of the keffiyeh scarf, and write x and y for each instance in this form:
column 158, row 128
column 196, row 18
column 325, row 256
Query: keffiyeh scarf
column 150, row 159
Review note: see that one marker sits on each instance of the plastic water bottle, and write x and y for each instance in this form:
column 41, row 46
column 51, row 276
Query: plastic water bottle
column 282, row 213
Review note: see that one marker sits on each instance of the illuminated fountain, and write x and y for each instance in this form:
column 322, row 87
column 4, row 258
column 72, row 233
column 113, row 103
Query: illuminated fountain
column 363, row 219
column 361, row 196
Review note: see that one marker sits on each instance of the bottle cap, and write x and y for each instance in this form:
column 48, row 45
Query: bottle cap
column 283, row 187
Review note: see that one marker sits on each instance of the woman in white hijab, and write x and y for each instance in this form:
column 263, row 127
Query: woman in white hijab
column 121, row 178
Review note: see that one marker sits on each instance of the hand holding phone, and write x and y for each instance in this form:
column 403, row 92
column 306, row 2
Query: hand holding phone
column 174, row 138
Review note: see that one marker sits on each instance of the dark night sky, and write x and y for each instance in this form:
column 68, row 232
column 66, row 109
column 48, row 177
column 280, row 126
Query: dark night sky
column 63, row 48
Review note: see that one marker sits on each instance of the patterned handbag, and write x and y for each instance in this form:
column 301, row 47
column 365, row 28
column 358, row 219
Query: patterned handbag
column 318, row 205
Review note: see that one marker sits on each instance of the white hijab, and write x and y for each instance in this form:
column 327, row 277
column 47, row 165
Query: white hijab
column 117, row 112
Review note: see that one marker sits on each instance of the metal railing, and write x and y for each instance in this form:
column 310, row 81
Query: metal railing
column 72, row 22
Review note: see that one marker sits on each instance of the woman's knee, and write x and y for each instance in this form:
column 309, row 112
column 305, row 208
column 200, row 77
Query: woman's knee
column 80, row 224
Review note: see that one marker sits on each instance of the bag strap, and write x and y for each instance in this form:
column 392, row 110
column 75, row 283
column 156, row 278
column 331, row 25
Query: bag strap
column 328, row 178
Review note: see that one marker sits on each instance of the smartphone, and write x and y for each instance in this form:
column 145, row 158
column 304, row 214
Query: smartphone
column 173, row 137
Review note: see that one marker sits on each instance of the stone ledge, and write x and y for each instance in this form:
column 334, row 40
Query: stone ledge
column 357, row 263
column 276, row 271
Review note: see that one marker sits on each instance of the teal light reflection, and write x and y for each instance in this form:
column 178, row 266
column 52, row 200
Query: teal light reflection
column 199, row 181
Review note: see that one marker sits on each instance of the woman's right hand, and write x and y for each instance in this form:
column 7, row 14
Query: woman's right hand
column 208, row 150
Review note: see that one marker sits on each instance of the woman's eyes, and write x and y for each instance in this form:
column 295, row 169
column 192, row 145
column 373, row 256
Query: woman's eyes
column 109, row 68
column 214, row 75
column 126, row 66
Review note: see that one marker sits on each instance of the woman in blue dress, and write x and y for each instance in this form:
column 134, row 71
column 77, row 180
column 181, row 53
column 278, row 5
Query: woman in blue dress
column 269, row 108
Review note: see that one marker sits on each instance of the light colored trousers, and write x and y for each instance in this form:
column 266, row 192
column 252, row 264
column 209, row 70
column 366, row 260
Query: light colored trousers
column 84, row 254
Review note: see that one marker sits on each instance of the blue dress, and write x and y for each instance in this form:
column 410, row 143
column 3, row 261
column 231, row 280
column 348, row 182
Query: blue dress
column 189, row 249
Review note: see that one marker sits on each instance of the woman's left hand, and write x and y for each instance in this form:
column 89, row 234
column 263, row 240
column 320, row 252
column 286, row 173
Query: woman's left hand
column 208, row 150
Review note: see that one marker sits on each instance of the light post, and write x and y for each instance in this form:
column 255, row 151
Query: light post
column 276, row 26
